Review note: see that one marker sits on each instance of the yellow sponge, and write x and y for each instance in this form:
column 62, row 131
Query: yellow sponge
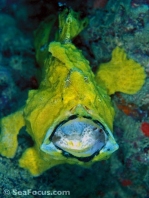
column 121, row 74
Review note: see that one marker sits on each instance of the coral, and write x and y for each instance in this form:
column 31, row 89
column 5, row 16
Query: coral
column 98, row 4
column 16, row 58
column 8, row 90
column 145, row 128
column 126, row 182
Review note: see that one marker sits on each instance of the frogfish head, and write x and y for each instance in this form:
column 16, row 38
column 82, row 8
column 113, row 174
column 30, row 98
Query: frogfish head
column 81, row 138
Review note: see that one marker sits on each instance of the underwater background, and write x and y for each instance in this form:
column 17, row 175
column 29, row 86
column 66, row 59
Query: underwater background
column 111, row 23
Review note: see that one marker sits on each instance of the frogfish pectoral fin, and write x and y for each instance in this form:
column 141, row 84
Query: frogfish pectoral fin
column 10, row 127
column 121, row 74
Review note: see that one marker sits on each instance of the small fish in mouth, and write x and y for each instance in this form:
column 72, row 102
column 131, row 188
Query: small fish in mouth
column 80, row 137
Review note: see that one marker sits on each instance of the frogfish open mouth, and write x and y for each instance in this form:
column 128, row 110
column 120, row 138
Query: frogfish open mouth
column 70, row 116
column 79, row 137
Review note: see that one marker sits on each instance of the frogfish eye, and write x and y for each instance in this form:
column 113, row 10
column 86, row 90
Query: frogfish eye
column 79, row 137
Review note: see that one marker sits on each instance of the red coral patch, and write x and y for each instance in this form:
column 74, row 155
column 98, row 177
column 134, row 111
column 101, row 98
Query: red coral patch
column 145, row 128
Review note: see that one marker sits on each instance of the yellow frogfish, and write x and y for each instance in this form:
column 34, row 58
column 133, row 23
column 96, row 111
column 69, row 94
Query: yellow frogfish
column 70, row 116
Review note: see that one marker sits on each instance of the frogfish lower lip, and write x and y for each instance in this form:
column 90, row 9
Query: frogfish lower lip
column 80, row 137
